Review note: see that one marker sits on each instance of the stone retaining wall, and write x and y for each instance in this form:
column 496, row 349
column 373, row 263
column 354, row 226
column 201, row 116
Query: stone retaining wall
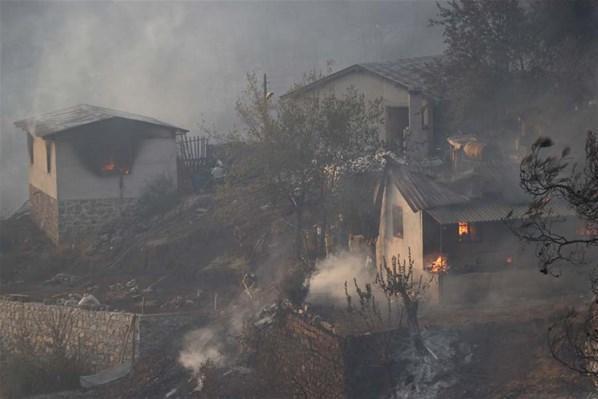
column 102, row 339
column 84, row 216
column 304, row 357
column 44, row 212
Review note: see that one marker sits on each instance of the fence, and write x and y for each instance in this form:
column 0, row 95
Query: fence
column 192, row 159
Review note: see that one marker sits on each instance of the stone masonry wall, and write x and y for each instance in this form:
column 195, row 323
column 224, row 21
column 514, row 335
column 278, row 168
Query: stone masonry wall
column 101, row 339
column 85, row 216
column 44, row 211
column 302, row 360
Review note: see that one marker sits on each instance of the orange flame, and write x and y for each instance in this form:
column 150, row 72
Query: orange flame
column 463, row 229
column 439, row 265
column 109, row 166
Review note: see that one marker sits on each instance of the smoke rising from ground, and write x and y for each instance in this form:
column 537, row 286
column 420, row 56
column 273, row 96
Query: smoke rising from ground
column 182, row 62
column 327, row 284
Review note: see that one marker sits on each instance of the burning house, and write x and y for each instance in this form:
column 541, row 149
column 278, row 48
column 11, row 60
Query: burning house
column 88, row 163
column 453, row 225
column 407, row 100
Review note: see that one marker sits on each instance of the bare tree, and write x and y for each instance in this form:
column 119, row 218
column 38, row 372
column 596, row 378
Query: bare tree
column 399, row 280
column 549, row 179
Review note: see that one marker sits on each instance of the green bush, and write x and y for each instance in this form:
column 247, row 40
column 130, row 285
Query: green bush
column 159, row 196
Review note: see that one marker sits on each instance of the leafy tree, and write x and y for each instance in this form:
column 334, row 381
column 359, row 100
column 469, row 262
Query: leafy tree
column 301, row 148
column 507, row 58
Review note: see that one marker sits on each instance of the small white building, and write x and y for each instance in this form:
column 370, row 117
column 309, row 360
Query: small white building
column 88, row 163
column 407, row 99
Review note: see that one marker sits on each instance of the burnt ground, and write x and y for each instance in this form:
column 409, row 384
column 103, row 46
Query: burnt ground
column 176, row 261
column 512, row 360
column 179, row 260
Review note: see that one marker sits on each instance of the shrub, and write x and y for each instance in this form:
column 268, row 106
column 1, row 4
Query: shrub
column 22, row 375
column 159, row 196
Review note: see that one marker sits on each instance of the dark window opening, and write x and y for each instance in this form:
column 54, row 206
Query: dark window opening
column 397, row 119
column 397, row 221
column 49, row 156
column 30, row 148
column 108, row 154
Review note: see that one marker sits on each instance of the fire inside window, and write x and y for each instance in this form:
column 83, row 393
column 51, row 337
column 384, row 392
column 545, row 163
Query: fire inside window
column 467, row 232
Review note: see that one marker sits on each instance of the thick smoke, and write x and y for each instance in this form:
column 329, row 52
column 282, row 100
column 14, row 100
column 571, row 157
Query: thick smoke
column 182, row 62
column 327, row 284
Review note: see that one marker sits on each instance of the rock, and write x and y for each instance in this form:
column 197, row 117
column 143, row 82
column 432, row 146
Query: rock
column 62, row 278
column 88, row 301
column 131, row 283
column 70, row 302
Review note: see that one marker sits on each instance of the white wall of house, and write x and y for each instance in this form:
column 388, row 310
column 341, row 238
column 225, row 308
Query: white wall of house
column 39, row 176
column 156, row 157
column 412, row 239
column 388, row 245
column 393, row 95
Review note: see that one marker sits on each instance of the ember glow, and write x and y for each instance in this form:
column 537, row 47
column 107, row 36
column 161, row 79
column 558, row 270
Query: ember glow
column 109, row 166
column 439, row 265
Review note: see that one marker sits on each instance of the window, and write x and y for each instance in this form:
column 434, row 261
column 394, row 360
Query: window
column 49, row 156
column 30, row 148
column 467, row 232
column 397, row 119
column 397, row 221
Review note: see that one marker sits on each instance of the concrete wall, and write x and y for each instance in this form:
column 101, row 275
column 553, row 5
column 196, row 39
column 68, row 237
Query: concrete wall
column 38, row 173
column 156, row 157
column 513, row 284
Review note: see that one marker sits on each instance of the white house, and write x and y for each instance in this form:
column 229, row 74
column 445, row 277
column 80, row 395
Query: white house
column 88, row 163
column 407, row 99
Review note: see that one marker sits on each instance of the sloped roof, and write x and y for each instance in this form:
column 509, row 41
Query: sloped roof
column 489, row 211
column 408, row 73
column 79, row 115
column 421, row 192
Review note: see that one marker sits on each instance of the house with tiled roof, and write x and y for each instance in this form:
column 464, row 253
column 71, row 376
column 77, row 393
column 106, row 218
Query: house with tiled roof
column 409, row 101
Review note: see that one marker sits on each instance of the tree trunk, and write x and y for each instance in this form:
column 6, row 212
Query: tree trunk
column 413, row 325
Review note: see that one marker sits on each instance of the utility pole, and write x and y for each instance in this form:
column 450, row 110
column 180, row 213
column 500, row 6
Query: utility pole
column 265, row 86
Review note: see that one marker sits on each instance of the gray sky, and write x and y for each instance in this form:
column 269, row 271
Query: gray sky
column 182, row 62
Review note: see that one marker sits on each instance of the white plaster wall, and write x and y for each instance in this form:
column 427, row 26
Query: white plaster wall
column 373, row 88
column 412, row 229
column 38, row 174
column 156, row 157
column 388, row 245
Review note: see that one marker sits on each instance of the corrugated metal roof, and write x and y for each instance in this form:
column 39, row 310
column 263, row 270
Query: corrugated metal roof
column 421, row 192
column 479, row 211
column 79, row 115
column 407, row 72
